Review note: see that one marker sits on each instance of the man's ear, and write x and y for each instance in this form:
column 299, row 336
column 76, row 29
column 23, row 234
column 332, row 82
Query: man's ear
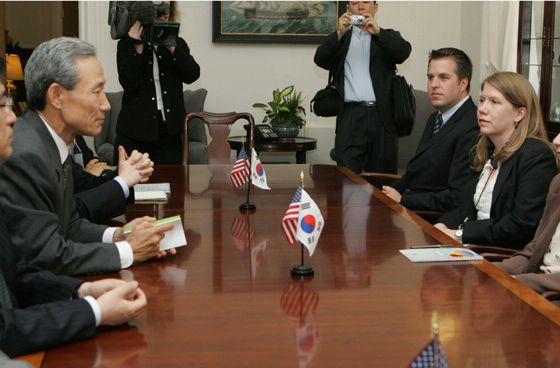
column 464, row 84
column 54, row 95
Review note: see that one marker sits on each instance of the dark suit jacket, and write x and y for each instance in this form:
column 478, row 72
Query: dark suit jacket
column 139, row 115
column 387, row 49
column 436, row 174
column 36, row 310
column 99, row 198
column 526, row 263
column 87, row 153
column 42, row 221
column 517, row 202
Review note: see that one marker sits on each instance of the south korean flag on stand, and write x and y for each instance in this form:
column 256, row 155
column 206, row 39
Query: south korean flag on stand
column 258, row 176
column 310, row 223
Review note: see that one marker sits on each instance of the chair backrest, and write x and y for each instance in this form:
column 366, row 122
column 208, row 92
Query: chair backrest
column 219, row 127
column 104, row 141
column 197, row 147
column 194, row 102
column 408, row 145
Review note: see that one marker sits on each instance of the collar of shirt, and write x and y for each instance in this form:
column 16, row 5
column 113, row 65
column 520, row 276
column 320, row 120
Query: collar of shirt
column 62, row 147
column 449, row 113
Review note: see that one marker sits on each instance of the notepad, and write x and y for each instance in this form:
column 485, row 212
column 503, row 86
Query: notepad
column 440, row 255
column 166, row 187
column 173, row 238
column 152, row 196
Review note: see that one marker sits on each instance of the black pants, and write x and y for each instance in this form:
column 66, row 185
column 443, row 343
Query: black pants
column 166, row 150
column 362, row 143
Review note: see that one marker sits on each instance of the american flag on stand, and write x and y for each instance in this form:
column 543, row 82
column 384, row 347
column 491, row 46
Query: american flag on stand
column 432, row 356
column 303, row 221
column 290, row 220
column 241, row 169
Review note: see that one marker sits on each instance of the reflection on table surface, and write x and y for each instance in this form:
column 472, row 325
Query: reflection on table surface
column 227, row 299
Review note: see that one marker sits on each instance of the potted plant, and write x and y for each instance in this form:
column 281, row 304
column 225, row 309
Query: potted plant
column 285, row 112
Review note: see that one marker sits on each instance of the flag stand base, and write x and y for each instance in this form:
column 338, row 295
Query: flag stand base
column 302, row 270
column 247, row 206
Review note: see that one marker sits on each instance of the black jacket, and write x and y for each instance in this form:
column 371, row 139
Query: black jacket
column 99, row 198
column 517, row 202
column 139, row 115
column 387, row 49
column 438, row 170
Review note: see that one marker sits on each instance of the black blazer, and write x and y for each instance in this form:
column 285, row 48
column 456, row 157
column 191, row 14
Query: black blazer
column 387, row 49
column 99, row 198
column 139, row 115
column 36, row 309
column 437, row 172
column 517, row 202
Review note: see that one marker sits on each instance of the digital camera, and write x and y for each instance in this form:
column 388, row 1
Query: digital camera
column 357, row 20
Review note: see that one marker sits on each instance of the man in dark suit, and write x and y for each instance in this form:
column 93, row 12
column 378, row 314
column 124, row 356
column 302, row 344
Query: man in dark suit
column 39, row 310
column 64, row 83
column 362, row 59
column 105, row 196
column 440, row 167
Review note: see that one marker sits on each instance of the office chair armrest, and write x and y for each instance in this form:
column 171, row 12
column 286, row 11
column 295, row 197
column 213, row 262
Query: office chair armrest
column 551, row 295
column 492, row 254
column 384, row 176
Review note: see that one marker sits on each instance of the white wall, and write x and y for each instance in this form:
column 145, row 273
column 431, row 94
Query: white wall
column 237, row 75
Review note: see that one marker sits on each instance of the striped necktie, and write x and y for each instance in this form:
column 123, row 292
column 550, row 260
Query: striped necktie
column 438, row 124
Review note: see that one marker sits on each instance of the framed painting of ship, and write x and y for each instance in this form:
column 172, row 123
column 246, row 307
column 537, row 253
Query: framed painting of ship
column 274, row 21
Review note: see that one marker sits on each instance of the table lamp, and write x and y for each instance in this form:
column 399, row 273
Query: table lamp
column 14, row 71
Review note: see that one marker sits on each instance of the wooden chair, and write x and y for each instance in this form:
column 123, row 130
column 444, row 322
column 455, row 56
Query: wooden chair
column 219, row 127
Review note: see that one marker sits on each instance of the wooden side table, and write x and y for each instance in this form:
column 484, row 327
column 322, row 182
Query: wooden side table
column 299, row 144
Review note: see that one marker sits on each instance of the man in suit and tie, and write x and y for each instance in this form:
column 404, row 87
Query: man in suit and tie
column 65, row 93
column 435, row 175
column 39, row 310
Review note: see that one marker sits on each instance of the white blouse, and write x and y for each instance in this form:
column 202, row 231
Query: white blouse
column 483, row 195
column 551, row 259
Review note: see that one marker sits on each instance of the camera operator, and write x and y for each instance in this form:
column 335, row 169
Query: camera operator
column 152, row 115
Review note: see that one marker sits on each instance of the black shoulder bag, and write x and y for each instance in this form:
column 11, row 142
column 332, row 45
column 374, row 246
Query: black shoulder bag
column 404, row 105
column 325, row 102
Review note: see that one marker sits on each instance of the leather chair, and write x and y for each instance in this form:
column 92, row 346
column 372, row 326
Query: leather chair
column 104, row 141
column 407, row 149
column 492, row 253
column 219, row 127
column 194, row 101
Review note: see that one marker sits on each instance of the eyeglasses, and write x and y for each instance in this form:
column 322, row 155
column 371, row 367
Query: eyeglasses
column 7, row 104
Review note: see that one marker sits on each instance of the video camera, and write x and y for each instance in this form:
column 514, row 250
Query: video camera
column 123, row 14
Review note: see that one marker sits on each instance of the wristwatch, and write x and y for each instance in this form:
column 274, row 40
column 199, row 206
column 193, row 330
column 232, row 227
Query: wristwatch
column 459, row 235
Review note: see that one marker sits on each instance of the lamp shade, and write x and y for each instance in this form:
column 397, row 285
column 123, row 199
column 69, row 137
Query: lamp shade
column 14, row 71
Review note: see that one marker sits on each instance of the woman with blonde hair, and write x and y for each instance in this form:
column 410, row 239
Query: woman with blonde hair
column 513, row 166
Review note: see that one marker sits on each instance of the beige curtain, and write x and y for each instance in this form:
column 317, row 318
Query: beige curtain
column 499, row 37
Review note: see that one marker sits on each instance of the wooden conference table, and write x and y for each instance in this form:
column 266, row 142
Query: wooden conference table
column 227, row 299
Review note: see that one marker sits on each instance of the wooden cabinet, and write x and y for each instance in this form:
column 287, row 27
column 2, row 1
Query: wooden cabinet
column 538, row 56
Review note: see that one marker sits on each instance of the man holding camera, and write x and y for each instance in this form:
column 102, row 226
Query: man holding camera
column 362, row 57
column 152, row 72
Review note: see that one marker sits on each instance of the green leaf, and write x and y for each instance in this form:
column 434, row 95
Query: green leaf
column 286, row 91
column 260, row 105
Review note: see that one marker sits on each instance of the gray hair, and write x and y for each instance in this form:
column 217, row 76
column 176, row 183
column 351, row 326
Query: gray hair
column 53, row 61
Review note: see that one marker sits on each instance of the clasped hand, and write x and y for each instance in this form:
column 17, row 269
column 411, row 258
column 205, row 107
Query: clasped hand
column 118, row 300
